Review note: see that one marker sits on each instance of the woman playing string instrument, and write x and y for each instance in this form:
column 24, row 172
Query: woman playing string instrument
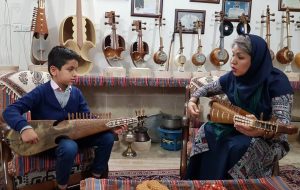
column 225, row 152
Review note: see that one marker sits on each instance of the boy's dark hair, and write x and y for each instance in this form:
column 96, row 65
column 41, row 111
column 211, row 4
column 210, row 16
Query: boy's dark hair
column 59, row 55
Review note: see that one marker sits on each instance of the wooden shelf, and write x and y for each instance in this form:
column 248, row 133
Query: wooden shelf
column 94, row 80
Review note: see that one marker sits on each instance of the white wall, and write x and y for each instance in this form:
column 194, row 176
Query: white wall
column 15, row 46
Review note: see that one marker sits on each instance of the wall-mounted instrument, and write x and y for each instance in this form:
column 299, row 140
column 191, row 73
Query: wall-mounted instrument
column 219, row 56
column 40, row 46
column 78, row 34
column 49, row 131
column 113, row 44
column 198, row 58
column 285, row 55
column 180, row 59
column 138, row 49
column 268, row 35
column 220, row 111
column 160, row 57
column 297, row 56
column 243, row 27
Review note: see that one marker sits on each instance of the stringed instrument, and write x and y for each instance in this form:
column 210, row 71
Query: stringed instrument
column 268, row 35
column 113, row 44
column 243, row 27
column 219, row 56
column 40, row 46
column 180, row 59
column 138, row 49
column 220, row 111
column 78, row 34
column 297, row 56
column 285, row 55
column 160, row 57
column 49, row 132
column 198, row 58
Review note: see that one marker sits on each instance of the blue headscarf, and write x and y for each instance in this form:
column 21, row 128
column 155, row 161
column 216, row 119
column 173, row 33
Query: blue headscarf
column 260, row 76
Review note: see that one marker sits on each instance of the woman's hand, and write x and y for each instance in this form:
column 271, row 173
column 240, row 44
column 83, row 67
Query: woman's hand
column 193, row 108
column 249, row 130
column 29, row 136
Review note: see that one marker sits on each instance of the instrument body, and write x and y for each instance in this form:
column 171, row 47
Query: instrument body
column 78, row 34
column 160, row 57
column 198, row 58
column 113, row 44
column 49, row 134
column 285, row 55
column 40, row 46
column 220, row 111
column 219, row 56
column 180, row 59
column 138, row 49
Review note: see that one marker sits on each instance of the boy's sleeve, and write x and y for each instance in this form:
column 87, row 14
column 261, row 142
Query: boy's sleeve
column 13, row 114
column 83, row 106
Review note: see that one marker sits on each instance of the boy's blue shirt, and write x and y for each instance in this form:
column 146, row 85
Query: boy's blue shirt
column 43, row 105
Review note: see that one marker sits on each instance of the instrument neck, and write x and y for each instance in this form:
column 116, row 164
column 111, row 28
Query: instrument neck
column 180, row 39
column 114, row 39
column 288, row 35
column 222, row 36
column 199, row 41
column 79, row 23
column 268, row 35
column 140, row 42
column 161, row 46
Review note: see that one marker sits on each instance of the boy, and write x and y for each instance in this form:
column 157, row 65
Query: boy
column 53, row 101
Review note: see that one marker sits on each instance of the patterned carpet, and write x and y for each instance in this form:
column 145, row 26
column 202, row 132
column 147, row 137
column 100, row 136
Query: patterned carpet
column 291, row 175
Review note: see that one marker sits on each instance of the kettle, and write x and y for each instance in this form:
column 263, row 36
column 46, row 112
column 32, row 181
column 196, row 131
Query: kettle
column 141, row 134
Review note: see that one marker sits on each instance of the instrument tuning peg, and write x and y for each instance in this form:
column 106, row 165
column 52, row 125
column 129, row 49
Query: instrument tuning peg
column 283, row 16
column 292, row 21
column 144, row 28
column 133, row 29
column 144, row 23
column 164, row 18
column 263, row 16
column 106, row 23
column 272, row 20
column 283, row 21
column 292, row 16
column 156, row 19
column 105, row 16
column 118, row 16
column 156, row 24
column 273, row 14
column 263, row 21
column 164, row 24
column 132, row 24
column 117, row 22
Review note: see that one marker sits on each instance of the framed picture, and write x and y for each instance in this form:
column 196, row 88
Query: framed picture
column 187, row 18
column 233, row 9
column 206, row 1
column 146, row 8
column 293, row 5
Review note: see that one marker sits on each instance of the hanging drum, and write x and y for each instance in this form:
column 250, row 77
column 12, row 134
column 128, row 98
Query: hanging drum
column 227, row 28
column 243, row 27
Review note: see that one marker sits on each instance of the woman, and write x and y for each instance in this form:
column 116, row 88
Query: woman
column 222, row 152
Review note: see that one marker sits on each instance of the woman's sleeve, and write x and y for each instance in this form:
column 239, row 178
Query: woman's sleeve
column 210, row 89
column 282, row 108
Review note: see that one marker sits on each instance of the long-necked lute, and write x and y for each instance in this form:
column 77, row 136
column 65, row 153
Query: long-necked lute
column 220, row 111
column 268, row 34
column 286, row 55
column 198, row 58
column 49, row 132
column 40, row 45
column 113, row 44
column 160, row 57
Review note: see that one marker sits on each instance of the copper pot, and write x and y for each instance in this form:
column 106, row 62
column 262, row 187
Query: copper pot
column 171, row 122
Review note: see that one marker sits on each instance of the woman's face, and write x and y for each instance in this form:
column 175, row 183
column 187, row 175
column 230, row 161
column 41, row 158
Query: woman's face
column 240, row 61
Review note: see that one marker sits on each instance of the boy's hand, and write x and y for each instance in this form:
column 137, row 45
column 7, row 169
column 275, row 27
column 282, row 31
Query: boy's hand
column 29, row 136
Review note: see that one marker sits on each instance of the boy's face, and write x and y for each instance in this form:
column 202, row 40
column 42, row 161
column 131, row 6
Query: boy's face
column 66, row 75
